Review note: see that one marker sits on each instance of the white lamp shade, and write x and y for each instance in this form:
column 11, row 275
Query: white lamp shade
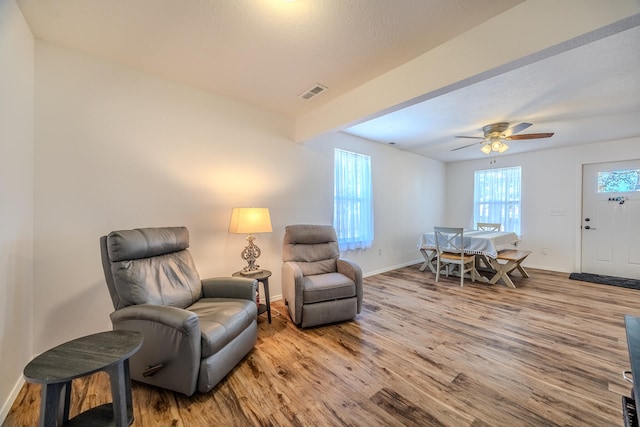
column 486, row 149
column 250, row 220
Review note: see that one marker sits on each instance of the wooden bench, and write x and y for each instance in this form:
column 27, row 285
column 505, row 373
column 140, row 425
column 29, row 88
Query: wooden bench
column 513, row 258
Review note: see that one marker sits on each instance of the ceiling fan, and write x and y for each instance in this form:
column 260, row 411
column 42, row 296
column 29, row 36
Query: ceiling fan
column 496, row 132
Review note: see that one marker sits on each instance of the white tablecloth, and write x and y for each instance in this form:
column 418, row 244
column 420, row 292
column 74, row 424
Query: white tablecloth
column 478, row 242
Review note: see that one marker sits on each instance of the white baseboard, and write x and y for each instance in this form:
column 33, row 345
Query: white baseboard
column 275, row 298
column 6, row 405
column 394, row 267
column 547, row 268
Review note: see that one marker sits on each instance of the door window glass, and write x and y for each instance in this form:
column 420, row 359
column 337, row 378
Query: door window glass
column 618, row 181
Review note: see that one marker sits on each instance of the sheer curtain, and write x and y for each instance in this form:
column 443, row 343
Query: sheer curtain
column 496, row 197
column 352, row 200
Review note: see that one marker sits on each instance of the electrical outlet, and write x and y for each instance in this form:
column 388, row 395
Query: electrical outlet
column 545, row 250
column 379, row 251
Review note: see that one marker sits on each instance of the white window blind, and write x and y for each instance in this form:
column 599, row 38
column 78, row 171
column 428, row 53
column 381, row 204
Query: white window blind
column 352, row 200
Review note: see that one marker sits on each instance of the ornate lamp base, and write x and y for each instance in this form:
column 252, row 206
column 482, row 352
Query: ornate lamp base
column 250, row 254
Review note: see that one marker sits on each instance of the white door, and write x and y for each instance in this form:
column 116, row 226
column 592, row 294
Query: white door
column 611, row 219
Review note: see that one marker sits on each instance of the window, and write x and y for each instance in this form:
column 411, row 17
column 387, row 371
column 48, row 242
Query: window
column 352, row 200
column 496, row 197
column 619, row 181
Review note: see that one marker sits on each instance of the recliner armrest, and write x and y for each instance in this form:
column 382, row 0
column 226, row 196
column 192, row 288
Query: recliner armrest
column 353, row 272
column 350, row 269
column 292, row 279
column 230, row 287
column 174, row 317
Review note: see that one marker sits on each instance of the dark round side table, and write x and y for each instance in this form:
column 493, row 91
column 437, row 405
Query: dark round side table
column 261, row 276
column 104, row 351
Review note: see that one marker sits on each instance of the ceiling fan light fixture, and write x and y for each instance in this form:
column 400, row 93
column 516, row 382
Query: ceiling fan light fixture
column 492, row 142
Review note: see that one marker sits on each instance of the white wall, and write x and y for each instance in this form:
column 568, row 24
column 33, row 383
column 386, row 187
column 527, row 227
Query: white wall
column 117, row 148
column 551, row 180
column 16, row 200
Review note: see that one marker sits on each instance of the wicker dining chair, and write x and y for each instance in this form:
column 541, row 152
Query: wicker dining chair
column 450, row 251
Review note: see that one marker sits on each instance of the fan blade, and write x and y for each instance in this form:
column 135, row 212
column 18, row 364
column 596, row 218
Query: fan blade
column 517, row 128
column 530, row 136
column 471, row 137
column 469, row 145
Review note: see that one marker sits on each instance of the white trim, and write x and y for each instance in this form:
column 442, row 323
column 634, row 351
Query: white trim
column 6, row 406
column 577, row 261
column 393, row 267
column 275, row 298
column 546, row 268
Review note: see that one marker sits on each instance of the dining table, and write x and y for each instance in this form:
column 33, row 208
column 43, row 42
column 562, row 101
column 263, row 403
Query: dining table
column 485, row 244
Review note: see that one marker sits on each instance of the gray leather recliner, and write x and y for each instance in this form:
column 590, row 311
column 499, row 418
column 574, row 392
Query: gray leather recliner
column 195, row 331
column 318, row 286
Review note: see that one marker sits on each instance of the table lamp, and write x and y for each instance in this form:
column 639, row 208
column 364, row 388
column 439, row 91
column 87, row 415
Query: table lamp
column 250, row 221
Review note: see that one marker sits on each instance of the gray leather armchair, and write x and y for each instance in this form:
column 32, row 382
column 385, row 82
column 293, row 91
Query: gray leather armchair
column 195, row 331
column 318, row 286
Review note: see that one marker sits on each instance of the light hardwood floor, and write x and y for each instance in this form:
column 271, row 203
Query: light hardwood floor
column 549, row 353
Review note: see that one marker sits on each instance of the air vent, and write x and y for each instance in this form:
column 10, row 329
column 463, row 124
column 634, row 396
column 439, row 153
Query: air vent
column 316, row 89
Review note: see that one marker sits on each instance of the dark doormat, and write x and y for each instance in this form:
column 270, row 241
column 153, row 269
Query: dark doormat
column 606, row 280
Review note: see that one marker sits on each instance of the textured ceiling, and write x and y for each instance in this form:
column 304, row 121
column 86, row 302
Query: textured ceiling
column 264, row 52
column 590, row 93
column 268, row 52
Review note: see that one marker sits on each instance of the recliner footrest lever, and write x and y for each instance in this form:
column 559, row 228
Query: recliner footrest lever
column 150, row 370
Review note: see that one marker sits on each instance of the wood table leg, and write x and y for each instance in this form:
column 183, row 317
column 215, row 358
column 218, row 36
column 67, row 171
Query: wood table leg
column 265, row 286
column 54, row 408
column 121, row 393
column 482, row 262
column 429, row 256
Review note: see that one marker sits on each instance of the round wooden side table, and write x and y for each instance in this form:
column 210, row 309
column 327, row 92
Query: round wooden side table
column 55, row 368
column 261, row 276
